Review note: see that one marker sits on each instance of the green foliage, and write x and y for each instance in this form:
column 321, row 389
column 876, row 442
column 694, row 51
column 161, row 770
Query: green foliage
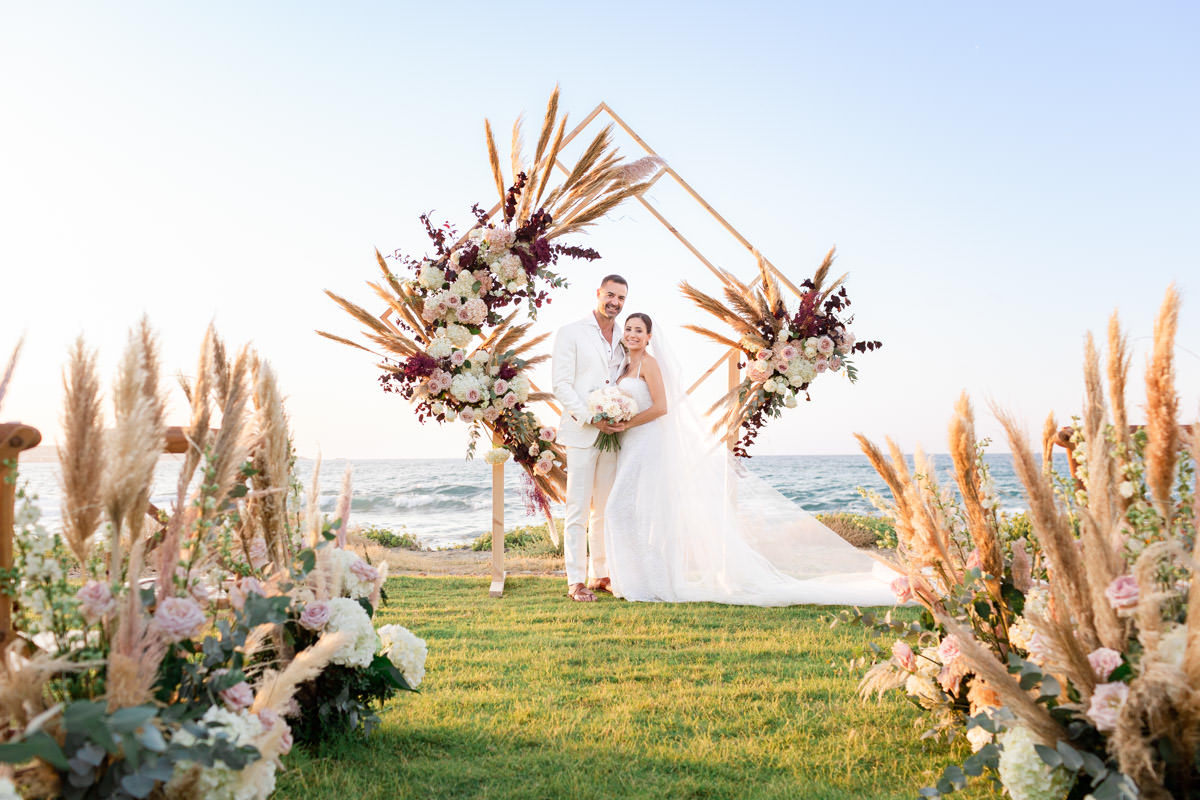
column 126, row 753
column 386, row 537
column 526, row 540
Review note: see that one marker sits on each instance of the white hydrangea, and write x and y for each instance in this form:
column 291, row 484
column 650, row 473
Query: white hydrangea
column 467, row 388
column 347, row 616
column 520, row 387
column 1020, row 633
column 921, row 683
column 459, row 336
column 220, row 781
column 801, row 371
column 497, row 455
column 353, row 583
column 1037, row 601
column 406, row 651
column 430, row 276
column 440, row 347
column 1023, row 772
column 464, row 285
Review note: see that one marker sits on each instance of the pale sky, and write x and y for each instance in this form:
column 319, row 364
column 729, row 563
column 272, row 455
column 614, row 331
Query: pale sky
column 997, row 179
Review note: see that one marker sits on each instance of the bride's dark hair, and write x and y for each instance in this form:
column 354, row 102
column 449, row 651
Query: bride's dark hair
column 644, row 318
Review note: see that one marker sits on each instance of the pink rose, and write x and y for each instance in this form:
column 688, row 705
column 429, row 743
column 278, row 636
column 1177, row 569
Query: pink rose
column 500, row 386
column 543, row 467
column 179, row 618
column 788, row 352
column 315, row 615
column 491, row 414
column 822, row 365
column 534, row 449
column 950, row 678
column 948, row 651
column 765, row 355
column 902, row 589
column 1104, row 660
column 95, row 601
column 904, row 655
column 463, row 314
column 458, row 357
column 364, row 571
column 467, row 415
column 238, row 696
column 1106, row 705
column 510, row 400
column 824, row 345
column 1037, row 648
column 454, row 301
column 973, row 560
column 242, row 590
column 268, row 718
column 473, row 395
column 835, row 363
column 1122, row 593
column 547, row 434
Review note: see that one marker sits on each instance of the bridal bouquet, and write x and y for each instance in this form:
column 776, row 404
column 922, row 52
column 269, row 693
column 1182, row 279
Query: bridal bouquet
column 613, row 406
column 785, row 351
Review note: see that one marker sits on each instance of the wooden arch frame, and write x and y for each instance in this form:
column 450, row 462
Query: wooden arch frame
column 730, row 359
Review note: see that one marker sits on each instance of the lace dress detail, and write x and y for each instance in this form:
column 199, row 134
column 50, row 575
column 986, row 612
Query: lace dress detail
column 637, row 560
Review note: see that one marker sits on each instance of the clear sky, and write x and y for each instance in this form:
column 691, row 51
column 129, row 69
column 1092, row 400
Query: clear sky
column 997, row 179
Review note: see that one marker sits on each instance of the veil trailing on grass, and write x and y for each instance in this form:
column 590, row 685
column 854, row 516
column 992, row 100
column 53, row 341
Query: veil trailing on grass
column 730, row 537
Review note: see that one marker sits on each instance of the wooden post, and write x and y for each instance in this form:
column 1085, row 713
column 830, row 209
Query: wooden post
column 14, row 438
column 497, row 589
column 735, row 377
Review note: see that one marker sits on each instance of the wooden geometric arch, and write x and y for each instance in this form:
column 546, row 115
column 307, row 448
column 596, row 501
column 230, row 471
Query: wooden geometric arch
column 730, row 359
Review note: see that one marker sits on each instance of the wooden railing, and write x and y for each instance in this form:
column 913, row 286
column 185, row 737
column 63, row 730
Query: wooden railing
column 15, row 438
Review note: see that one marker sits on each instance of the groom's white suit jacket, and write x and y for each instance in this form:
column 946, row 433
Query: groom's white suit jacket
column 583, row 362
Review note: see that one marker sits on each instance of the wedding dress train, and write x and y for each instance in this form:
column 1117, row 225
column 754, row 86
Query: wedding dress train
column 686, row 523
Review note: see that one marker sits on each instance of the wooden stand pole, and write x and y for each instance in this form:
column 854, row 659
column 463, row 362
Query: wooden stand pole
column 14, row 438
column 498, row 574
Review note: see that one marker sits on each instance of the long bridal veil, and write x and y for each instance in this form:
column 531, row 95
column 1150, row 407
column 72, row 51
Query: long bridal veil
column 728, row 536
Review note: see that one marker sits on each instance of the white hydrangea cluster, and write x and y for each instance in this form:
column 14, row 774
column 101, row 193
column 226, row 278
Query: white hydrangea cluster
column 430, row 276
column 458, row 335
column 358, row 577
column 467, row 388
column 347, row 616
column 1023, row 772
column 406, row 651
column 220, row 781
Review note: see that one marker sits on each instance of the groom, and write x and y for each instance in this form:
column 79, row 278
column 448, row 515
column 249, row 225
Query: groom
column 587, row 356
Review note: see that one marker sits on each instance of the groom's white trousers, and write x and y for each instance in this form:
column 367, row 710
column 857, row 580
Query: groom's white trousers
column 590, row 474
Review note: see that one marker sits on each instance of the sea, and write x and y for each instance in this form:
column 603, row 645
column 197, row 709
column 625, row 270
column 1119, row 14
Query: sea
column 447, row 502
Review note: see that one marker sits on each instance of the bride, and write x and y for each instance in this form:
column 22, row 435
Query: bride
column 684, row 524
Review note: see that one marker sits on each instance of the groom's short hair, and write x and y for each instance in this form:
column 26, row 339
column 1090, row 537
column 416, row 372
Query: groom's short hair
column 614, row 279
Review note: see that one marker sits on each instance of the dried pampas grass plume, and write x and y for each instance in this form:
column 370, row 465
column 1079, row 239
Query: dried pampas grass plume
column 81, row 455
column 966, row 470
column 1162, row 407
column 275, row 690
column 6, row 376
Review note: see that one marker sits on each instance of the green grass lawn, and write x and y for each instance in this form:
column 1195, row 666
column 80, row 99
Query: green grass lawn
column 533, row 696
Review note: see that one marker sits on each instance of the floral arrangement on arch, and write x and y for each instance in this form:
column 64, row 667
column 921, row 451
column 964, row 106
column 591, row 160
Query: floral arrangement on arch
column 1063, row 641
column 785, row 350
column 160, row 653
column 454, row 348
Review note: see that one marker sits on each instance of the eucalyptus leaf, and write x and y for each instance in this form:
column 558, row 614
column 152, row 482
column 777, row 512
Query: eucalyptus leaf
column 1049, row 755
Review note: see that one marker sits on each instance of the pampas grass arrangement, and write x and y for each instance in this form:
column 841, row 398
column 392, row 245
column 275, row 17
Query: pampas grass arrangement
column 1092, row 646
column 197, row 644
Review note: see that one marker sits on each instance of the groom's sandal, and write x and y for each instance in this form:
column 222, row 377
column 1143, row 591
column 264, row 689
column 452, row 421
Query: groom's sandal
column 601, row 585
column 580, row 593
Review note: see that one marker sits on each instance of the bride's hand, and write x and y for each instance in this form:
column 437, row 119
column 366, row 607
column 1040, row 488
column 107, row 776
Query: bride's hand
column 607, row 427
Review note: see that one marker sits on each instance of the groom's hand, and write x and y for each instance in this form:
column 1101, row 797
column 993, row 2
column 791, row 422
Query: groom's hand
column 606, row 427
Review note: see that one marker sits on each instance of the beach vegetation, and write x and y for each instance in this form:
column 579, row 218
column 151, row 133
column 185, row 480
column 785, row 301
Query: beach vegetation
column 526, row 540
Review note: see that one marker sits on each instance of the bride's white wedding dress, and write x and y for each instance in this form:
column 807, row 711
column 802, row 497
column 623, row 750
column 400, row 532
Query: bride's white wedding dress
column 685, row 523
